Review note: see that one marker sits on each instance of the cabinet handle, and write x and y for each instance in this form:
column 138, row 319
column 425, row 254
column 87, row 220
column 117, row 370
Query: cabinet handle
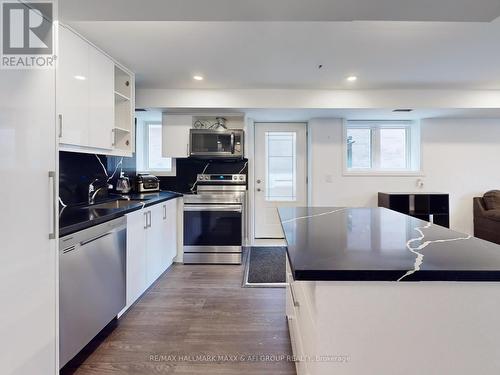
column 60, row 125
column 55, row 208
column 149, row 214
column 187, row 149
column 113, row 137
column 164, row 212
column 295, row 302
column 145, row 220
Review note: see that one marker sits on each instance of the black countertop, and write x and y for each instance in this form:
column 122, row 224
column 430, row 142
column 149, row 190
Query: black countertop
column 377, row 244
column 75, row 218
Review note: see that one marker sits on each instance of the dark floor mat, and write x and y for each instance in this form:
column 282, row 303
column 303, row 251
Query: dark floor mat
column 266, row 265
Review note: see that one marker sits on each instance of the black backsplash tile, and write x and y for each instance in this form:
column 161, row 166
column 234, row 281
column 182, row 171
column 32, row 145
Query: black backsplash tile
column 187, row 169
column 78, row 170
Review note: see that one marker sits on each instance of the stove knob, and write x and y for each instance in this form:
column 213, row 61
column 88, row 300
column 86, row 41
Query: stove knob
column 235, row 177
column 206, row 178
column 241, row 178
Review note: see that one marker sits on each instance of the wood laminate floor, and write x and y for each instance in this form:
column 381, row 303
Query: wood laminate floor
column 196, row 319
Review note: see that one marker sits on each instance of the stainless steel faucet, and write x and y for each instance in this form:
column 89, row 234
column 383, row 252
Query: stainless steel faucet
column 92, row 191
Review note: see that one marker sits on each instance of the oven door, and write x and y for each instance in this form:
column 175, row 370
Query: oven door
column 216, row 144
column 213, row 227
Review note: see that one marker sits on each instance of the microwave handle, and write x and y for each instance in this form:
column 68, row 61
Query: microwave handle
column 232, row 143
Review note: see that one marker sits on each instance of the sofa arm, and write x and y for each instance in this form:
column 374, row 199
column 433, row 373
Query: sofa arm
column 479, row 208
column 492, row 215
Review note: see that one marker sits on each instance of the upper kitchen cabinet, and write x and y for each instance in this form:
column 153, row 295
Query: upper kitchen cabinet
column 176, row 127
column 124, row 110
column 95, row 99
column 72, row 95
column 175, row 135
column 101, row 100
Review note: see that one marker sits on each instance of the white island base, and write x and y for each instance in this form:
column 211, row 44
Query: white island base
column 394, row 328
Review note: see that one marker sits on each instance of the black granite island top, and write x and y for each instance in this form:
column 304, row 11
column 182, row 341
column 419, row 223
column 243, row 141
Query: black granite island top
column 75, row 218
column 377, row 244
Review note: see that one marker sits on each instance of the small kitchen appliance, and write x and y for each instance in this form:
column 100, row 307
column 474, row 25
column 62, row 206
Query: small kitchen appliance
column 146, row 182
column 123, row 184
column 216, row 143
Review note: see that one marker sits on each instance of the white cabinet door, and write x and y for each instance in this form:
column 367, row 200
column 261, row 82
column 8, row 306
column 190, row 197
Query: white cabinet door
column 28, row 258
column 169, row 233
column 136, row 256
column 73, row 88
column 154, row 243
column 171, row 230
column 175, row 135
column 101, row 100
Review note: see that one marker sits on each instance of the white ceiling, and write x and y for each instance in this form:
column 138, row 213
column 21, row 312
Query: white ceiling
column 287, row 54
column 279, row 10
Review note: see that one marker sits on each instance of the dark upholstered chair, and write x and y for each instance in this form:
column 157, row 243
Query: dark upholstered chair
column 487, row 216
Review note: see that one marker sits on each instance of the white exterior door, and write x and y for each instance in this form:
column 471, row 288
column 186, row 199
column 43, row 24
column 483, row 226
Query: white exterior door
column 280, row 173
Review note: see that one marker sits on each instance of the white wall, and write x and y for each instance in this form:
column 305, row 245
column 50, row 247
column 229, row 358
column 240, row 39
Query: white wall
column 459, row 157
column 316, row 99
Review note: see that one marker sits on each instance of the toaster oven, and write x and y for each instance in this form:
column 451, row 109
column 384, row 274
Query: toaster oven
column 146, row 182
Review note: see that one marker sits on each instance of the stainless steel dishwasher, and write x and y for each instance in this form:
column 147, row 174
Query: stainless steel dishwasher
column 91, row 283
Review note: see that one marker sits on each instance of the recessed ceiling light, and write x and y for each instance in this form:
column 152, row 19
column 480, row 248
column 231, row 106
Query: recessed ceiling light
column 80, row 78
column 351, row 78
column 198, row 78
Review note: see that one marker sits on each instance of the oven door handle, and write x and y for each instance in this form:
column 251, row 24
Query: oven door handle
column 210, row 207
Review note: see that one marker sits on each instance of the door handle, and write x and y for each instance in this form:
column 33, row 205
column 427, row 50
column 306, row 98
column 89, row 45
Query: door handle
column 55, row 208
column 60, row 124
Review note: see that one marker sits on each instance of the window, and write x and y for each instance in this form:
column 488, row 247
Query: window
column 148, row 150
column 281, row 166
column 382, row 147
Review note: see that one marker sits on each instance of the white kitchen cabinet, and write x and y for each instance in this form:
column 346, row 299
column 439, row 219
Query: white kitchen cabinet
column 154, row 243
column 175, row 135
column 151, row 246
column 101, row 100
column 73, row 89
column 28, row 255
column 95, row 112
column 136, row 255
column 169, row 232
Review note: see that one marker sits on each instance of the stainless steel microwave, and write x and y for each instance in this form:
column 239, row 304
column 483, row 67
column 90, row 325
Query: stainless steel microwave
column 211, row 144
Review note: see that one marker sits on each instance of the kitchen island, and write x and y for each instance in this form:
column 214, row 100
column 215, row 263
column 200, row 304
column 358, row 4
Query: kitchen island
column 373, row 291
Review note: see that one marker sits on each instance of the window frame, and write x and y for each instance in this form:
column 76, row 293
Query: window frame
column 142, row 163
column 413, row 147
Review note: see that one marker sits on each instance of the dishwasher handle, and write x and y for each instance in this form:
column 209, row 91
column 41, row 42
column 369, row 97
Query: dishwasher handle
column 83, row 243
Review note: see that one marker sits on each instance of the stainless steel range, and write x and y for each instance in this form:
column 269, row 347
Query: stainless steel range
column 214, row 219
